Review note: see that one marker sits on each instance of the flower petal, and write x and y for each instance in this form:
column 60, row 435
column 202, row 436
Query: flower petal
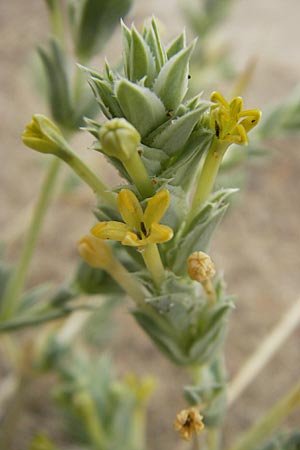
column 110, row 230
column 130, row 209
column 156, row 208
column 132, row 239
column 159, row 233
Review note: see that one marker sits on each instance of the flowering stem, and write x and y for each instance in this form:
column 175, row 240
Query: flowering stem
column 139, row 175
column 57, row 26
column 207, row 176
column 270, row 422
column 17, row 279
column 213, row 438
column 266, row 350
column 83, row 171
column 154, row 264
column 121, row 275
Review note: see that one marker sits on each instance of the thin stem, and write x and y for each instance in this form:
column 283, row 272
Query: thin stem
column 88, row 176
column 127, row 282
column 270, row 421
column 213, row 437
column 17, row 280
column 267, row 349
column 55, row 13
column 207, row 176
column 139, row 175
column 154, row 264
column 196, row 442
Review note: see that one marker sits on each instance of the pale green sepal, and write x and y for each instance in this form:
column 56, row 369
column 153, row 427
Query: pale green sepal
column 174, row 137
column 183, row 171
column 126, row 39
column 153, row 159
column 176, row 45
column 152, row 38
column 106, row 98
column 178, row 208
column 162, row 340
column 92, row 126
column 141, row 61
column 211, row 328
column 172, row 82
column 140, row 106
column 199, row 234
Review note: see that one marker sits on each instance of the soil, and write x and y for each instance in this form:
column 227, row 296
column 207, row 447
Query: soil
column 257, row 245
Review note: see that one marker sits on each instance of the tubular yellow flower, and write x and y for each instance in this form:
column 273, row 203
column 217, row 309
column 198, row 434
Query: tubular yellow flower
column 141, row 228
column 187, row 422
column 230, row 122
column 95, row 252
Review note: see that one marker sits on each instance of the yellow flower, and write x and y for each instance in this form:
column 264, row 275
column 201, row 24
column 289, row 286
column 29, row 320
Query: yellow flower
column 141, row 227
column 229, row 121
column 187, row 422
column 95, row 252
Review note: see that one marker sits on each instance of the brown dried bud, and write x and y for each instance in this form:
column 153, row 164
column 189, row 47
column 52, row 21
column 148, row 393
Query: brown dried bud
column 200, row 267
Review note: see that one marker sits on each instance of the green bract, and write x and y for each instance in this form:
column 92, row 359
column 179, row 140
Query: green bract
column 150, row 93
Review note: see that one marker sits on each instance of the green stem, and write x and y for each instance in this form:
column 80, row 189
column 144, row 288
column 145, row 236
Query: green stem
column 127, row 282
column 213, row 436
column 207, row 176
column 83, row 171
column 137, row 171
column 55, row 13
column 270, row 422
column 154, row 264
column 17, row 280
column 139, row 428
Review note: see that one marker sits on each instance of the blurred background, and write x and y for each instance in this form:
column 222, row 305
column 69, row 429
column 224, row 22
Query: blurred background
column 257, row 246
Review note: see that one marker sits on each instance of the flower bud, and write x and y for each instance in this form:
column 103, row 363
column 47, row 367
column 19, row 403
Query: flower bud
column 45, row 137
column 200, row 267
column 95, row 252
column 119, row 139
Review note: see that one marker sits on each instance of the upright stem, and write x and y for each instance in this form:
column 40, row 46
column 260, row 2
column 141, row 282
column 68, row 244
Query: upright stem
column 154, row 264
column 57, row 26
column 213, row 438
column 207, row 176
column 89, row 177
column 270, row 422
column 17, row 280
column 139, row 175
column 127, row 282
column 265, row 352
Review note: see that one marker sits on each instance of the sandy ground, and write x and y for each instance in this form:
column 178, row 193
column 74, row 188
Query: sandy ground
column 258, row 244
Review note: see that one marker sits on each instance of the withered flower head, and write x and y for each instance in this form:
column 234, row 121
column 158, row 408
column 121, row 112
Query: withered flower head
column 187, row 422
